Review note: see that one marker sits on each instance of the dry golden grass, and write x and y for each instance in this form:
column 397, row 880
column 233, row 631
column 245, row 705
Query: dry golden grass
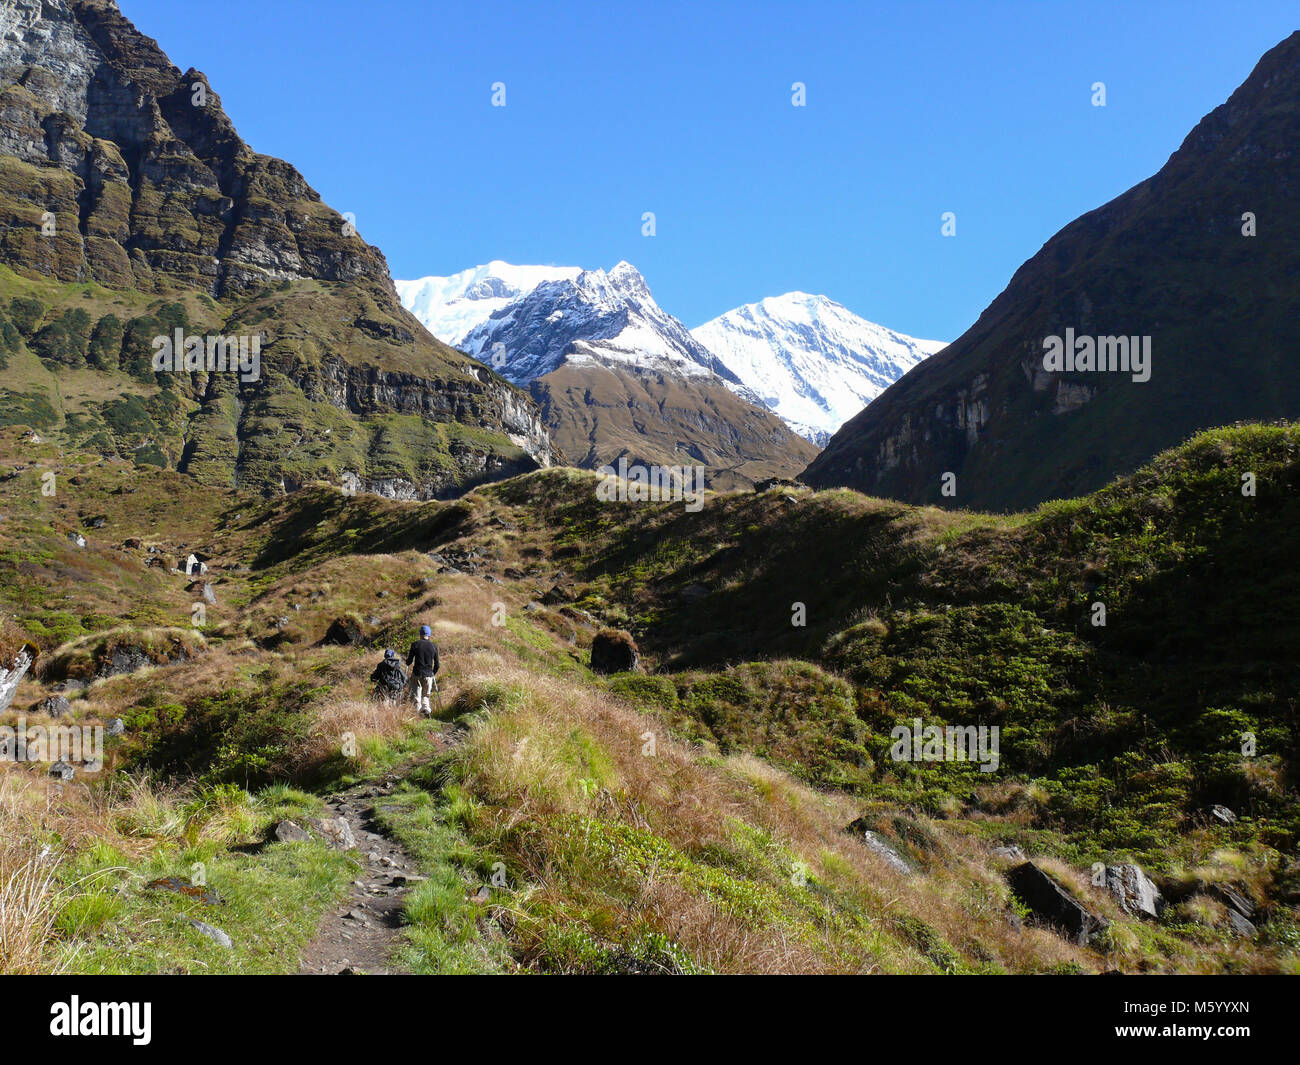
column 30, row 897
column 339, row 716
column 527, row 760
column 30, row 900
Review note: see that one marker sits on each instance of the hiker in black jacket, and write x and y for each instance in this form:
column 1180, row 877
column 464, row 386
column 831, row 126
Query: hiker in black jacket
column 389, row 678
column 423, row 658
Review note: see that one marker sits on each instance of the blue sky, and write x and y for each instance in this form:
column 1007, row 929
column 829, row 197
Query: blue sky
column 914, row 108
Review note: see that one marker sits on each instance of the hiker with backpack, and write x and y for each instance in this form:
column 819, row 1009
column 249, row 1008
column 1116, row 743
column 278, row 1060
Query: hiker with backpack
column 423, row 658
column 389, row 678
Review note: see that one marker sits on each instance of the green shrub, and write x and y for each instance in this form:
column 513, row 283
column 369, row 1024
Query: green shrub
column 26, row 311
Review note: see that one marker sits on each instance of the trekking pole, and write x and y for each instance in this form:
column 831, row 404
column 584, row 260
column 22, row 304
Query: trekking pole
column 438, row 694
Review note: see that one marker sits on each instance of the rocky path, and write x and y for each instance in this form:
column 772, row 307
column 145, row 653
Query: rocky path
column 359, row 936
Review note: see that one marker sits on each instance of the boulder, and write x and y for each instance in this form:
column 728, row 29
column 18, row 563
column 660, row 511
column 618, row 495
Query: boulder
column 884, row 851
column 614, row 651
column 343, row 632
column 53, row 705
column 1241, row 926
column 336, row 832
column 1223, row 815
column 121, row 660
column 61, row 770
column 1135, row 892
column 1234, row 900
column 1052, row 904
column 1010, row 853
column 288, row 832
column 116, row 727
column 557, row 596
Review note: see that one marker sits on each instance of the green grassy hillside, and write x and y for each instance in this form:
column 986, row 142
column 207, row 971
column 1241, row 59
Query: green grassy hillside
column 691, row 817
column 420, row 420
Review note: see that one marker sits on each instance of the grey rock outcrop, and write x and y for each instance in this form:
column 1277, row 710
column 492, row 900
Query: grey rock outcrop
column 1135, row 892
column 883, row 850
column 336, row 832
column 290, row 832
column 1052, row 904
column 53, row 705
column 12, row 672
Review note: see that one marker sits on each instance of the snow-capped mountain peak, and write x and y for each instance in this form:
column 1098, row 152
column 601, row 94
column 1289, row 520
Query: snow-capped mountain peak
column 449, row 307
column 807, row 358
column 525, row 321
column 810, row 359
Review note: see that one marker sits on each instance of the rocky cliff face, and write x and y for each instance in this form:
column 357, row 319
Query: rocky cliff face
column 1174, row 260
column 147, row 178
column 116, row 167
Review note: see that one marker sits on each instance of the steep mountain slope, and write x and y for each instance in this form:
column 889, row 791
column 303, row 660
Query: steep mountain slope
column 615, row 375
column 811, row 360
column 130, row 208
column 1166, row 260
column 599, row 410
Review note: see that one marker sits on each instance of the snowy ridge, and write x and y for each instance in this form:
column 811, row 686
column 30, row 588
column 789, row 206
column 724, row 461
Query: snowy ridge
column 449, row 307
column 540, row 317
column 811, row 360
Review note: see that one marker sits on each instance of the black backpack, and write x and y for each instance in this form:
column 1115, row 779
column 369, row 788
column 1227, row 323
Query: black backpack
column 390, row 677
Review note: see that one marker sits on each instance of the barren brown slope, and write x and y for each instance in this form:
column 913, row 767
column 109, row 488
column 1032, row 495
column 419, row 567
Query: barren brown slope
column 598, row 414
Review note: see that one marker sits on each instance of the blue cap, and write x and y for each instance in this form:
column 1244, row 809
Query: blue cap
column 425, row 630
column 389, row 653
